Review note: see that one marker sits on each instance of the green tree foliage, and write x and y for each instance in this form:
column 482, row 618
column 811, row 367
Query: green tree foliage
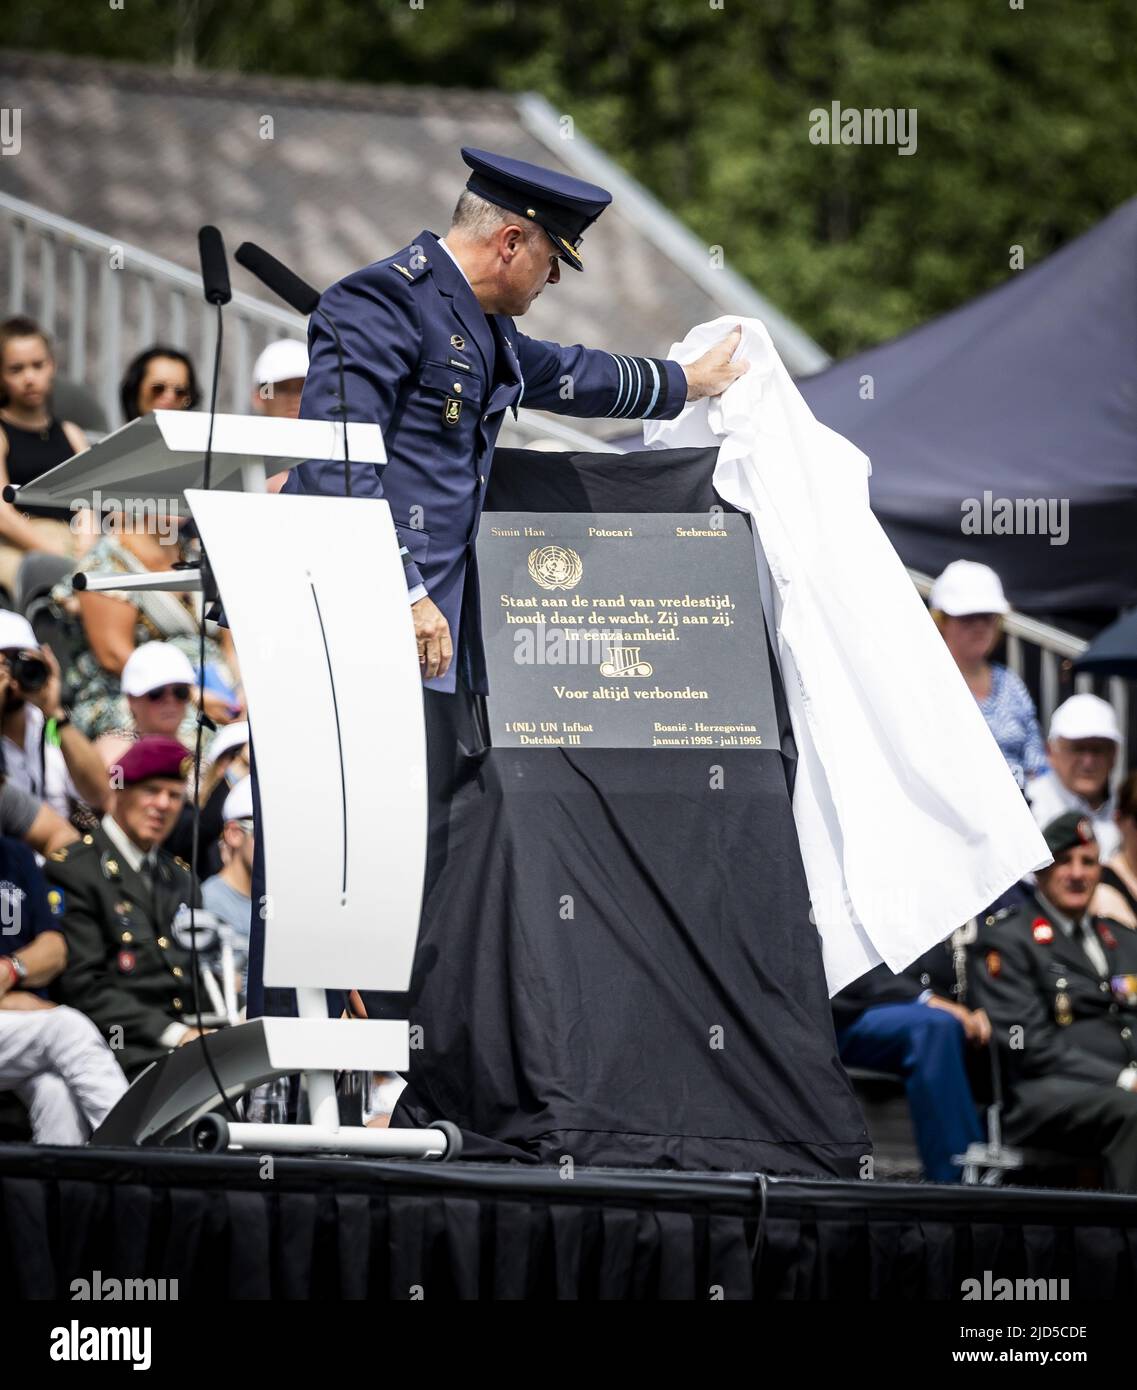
column 1025, row 135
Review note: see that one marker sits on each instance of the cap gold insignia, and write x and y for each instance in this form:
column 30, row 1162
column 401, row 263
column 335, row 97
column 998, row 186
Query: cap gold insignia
column 530, row 212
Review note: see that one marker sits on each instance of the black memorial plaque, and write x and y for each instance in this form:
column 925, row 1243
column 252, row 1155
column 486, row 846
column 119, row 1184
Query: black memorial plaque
column 628, row 630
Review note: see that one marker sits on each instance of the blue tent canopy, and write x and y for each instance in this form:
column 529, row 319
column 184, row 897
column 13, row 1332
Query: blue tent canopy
column 1026, row 396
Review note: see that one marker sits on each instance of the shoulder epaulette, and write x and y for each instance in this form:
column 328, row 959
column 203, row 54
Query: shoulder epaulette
column 57, row 856
column 412, row 263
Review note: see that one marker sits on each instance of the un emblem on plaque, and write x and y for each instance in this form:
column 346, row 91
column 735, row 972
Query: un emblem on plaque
column 555, row 567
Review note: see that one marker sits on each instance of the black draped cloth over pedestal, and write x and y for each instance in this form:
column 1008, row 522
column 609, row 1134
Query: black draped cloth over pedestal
column 616, row 962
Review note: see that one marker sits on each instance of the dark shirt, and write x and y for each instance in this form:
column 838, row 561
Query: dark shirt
column 30, row 454
column 24, row 908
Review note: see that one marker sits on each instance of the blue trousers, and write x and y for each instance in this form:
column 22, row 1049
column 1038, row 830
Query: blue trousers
column 925, row 1046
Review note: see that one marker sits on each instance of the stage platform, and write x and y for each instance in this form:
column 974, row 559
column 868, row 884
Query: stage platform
column 236, row 1226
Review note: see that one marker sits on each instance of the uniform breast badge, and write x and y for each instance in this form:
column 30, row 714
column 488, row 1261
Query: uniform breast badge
column 451, row 411
column 1063, row 1014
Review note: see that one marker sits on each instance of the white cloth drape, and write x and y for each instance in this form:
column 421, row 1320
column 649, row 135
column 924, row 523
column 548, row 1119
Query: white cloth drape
column 908, row 818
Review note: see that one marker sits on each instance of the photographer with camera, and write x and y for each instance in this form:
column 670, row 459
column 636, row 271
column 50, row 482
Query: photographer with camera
column 44, row 753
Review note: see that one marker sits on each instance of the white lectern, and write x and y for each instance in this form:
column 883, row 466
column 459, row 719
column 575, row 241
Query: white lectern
column 314, row 593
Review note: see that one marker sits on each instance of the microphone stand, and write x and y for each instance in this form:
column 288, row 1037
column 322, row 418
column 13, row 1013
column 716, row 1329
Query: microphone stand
column 209, row 593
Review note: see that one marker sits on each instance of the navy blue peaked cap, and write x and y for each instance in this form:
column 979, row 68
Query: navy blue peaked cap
column 561, row 205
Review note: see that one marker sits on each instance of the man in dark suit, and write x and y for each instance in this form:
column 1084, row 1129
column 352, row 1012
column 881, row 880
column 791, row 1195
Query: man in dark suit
column 115, row 895
column 1060, row 986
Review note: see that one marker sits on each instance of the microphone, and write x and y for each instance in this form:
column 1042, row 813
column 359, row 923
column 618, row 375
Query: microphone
column 297, row 293
column 214, row 270
column 302, row 297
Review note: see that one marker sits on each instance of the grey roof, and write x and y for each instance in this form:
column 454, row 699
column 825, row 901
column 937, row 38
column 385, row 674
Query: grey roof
column 350, row 174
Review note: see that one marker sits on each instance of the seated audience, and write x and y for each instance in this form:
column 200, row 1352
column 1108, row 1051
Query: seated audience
column 1116, row 897
column 155, row 688
column 278, row 378
column 967, row 603
column 916, row 1025
column 44, row 752
column 160, row 378
column 278, row 384
column 229, row 894
column 32, row 441
column 1060, row 987
column 52, row 1058
column 119, row 892
column 1083, row 743
column 224, row 763
column 115, row 623
column 25, row 817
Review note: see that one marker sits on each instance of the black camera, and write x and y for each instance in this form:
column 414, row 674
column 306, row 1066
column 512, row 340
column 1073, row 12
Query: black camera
column 29, row 671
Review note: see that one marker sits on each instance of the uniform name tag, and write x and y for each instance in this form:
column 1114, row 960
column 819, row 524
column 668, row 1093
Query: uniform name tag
column 451, row 410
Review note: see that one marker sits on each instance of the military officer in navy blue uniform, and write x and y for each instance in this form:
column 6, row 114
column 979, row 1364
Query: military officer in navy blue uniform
column 1060, row 987
column 433, row 356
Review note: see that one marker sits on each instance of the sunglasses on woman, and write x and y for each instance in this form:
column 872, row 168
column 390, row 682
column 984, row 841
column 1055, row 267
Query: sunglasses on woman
column 157, row 389
column 179, row 692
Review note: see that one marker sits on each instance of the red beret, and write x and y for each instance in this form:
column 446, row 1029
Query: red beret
column 155, row 756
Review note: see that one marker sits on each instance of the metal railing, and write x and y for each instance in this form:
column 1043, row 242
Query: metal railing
column 102, row 300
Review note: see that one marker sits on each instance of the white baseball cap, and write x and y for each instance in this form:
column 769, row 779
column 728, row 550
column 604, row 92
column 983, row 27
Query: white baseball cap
column 239, row 803
column 284, row 360
column 155, row 664
column 1085, row 716
column 965, row 587
column 16, row 632
column 229, row 736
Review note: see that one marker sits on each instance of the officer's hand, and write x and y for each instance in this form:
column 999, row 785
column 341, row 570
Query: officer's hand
column 712, row 373
column 432, row 633
column 191, row 1034
column 973, row 1024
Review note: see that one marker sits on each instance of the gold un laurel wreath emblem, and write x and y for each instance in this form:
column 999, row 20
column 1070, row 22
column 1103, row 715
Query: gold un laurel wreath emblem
column 555, row 567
